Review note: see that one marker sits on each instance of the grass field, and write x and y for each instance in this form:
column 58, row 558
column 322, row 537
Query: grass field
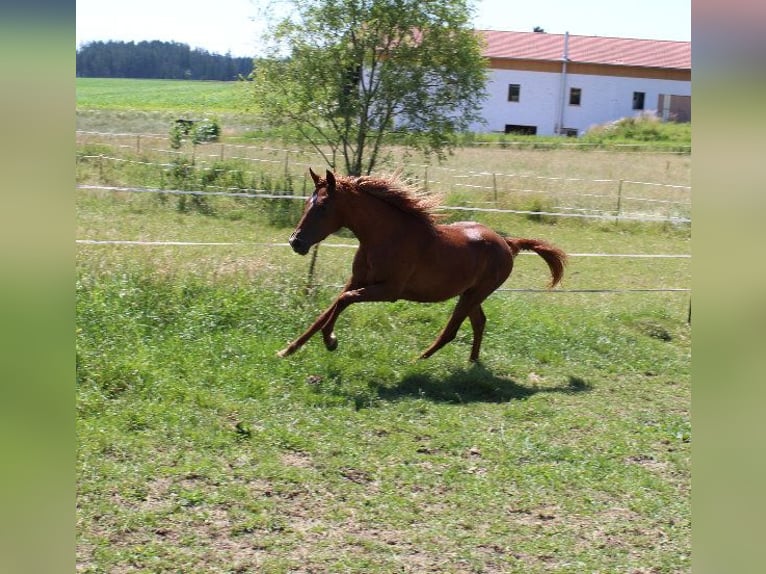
column 566, row 450
column 158, row 95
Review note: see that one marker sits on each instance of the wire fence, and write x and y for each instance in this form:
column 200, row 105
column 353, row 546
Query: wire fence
column 520, row 193
column 469, row 191
column 145, row 243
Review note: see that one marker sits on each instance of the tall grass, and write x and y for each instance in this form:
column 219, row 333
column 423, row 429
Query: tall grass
column 199, row 450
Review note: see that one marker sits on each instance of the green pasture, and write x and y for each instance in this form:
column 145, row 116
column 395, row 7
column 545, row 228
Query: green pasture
column 567, row 449
column 158, row 95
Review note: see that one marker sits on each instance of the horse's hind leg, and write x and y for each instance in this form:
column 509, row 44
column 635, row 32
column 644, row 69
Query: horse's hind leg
column 478, row 320
column 465, row 307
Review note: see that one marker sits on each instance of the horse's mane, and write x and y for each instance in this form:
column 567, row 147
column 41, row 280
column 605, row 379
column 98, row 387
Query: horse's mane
column 404, row 196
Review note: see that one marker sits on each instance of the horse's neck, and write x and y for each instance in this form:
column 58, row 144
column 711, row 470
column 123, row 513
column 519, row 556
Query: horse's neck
column 373, row 221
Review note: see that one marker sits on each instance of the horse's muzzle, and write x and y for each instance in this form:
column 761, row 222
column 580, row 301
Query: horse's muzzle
column 300, row 246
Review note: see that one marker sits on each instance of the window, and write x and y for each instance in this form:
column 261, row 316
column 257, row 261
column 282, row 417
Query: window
column 513, row 92
column 638, row 100
column 521, row 130
column 574, row 96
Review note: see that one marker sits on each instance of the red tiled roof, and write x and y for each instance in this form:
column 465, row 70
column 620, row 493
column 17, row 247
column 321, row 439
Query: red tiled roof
column 588, row 49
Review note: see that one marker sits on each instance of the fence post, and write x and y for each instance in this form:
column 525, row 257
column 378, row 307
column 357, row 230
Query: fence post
column 619, row 202
column 494, row 185
column 222, row 150
column 138, row 143
column 425, row 180
column 312, row 266
column 287, row 163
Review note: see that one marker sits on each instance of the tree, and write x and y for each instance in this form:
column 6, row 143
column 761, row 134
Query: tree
column 157, row 59
column 348, row 74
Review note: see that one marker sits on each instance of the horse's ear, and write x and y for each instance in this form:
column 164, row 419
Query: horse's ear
column 330, row 176
column 314, row 176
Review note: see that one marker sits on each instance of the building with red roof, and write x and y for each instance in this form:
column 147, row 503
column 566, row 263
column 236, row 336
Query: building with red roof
column 548, row 84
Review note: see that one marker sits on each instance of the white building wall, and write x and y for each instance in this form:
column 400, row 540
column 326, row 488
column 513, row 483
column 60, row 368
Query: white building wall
column 603, row 99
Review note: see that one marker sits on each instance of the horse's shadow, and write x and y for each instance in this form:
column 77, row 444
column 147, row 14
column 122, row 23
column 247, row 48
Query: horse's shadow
column 473, row 384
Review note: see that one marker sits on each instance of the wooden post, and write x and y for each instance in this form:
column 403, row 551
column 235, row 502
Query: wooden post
column 287, row 163
column 619, row 202
column 494, row 185
column 312, row 266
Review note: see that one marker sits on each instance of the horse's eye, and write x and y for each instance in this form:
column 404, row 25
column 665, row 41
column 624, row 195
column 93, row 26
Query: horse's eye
column 317, row 204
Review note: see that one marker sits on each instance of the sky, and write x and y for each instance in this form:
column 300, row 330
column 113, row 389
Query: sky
column 221, row 26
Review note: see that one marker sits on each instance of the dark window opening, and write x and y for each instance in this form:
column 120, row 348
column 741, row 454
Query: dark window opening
column 513, row 92
column 638, row 100
column 574, row 96
column 521, row 130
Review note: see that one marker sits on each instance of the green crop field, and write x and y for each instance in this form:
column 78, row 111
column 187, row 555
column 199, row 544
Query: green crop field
column 157, row 95
column 567, row 449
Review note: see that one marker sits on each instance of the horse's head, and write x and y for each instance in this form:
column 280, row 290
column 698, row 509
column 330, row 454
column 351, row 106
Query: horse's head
column 320, row 216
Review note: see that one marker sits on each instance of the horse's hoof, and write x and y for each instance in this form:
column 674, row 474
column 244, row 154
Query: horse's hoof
column 331, row 343
column 284, row 352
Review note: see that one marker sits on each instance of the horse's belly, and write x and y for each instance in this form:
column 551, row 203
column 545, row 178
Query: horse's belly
column 453, row 274
column 430, row 295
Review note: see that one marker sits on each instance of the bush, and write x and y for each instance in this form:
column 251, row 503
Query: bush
column 206, row 131
column 646, row 127
column 199, row 131
column 538, row 209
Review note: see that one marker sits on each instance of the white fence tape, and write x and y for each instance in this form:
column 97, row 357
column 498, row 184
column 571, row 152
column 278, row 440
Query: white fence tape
column 630, row 147
column 263, row 194
column 346, row 246
column 458, row 174
column 349, row 246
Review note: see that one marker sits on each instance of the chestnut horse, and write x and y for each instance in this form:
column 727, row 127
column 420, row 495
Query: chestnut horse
column 405, row 254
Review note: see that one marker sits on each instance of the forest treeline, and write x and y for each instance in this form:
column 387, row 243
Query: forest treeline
column 157, row 59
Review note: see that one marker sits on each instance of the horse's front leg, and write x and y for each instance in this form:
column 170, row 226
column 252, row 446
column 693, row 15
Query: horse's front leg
column 326, row 321
column 330, row 341
column 376, row 292
column 315, row 326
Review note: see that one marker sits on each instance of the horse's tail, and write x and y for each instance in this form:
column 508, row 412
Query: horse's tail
column 554, row 257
